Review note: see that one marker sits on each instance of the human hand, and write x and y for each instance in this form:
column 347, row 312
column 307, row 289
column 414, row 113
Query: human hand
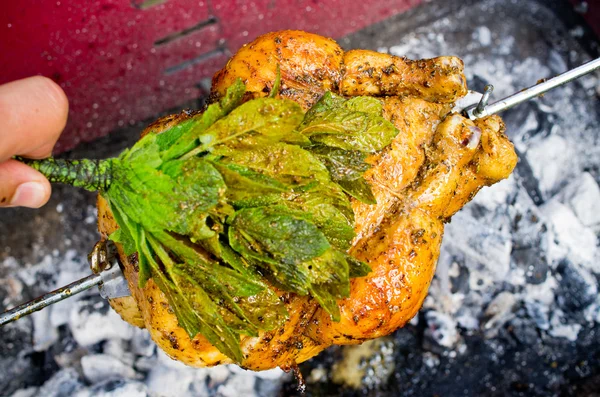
column 33, row 113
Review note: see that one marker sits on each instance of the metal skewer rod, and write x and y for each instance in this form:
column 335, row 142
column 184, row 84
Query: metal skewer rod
column 50, row 298
column 482, row 110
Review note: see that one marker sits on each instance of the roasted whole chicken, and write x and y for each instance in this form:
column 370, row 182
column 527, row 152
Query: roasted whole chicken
column 434, row 166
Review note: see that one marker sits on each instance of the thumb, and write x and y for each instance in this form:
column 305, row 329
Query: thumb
column 22, row 186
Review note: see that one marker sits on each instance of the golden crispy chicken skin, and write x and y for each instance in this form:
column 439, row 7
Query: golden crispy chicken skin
column 309, row 65
column 434, row 166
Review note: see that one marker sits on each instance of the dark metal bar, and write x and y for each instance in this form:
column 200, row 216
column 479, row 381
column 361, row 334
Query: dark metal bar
column 535, row 90
column 50, row 298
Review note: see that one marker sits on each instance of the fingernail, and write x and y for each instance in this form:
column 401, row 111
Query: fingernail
column 29, row 194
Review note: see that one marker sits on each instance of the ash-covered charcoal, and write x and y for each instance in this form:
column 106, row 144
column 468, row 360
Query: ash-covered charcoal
column 582, row 196
column 115, row 388
column 553, row 161
column 533, row 260
column 92, row 321
column 441, row 332
column 18, row 361
column 570, row 238
column 577, row 287
column 498, row 313
column 524, row 329
column 142, row 344
column 103, row 367
column 171, row 378
column 65, row 382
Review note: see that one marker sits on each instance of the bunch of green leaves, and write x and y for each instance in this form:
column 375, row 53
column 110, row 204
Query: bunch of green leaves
column 242, row 197
column 344, row 132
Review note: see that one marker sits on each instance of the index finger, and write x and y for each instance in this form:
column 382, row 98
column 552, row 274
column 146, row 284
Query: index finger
column 33, row 113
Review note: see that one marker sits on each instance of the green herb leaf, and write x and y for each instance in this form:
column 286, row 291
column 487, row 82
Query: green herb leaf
column 359, row 189
column 233, row 97
column 123, row 235
column 289, row 164
column 166, row 139
column 235, row 301
column 176, row 199
column 146, row 151
column 199, row 187
column 357, row 268
column 364, row 104
column 273, row 118
column 275, row 89
column 275, row 235
column 346, row 168
column 195, row 311
column 329, row 209
column 337, row 122
column 246, row 187
column 328, row 275
column 326, row 300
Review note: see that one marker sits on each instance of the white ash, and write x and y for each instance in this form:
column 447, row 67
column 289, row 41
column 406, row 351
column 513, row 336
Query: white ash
column 553, row 174
column 561, row 329
column 544, row 293
column 52, row 271
column 431, row 360
column 441, row 328
column 27, row 392
column 102, row 367
column 571, row 238
column 93, row 321
column 65, row 382
column 483, row 35
column 91, row 215
column 242, row 383
column 44, row 334
column 592, row 312
column 115, row 389
column 171, row 378
column 120, row 349
column 582, row 196
column 142, row 344
column 380, row 366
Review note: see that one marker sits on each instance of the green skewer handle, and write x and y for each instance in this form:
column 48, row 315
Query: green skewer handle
column 92, row 175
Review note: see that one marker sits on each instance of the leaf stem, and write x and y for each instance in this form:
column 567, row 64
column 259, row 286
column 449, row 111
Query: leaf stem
column 92, row 175
column 207, row 146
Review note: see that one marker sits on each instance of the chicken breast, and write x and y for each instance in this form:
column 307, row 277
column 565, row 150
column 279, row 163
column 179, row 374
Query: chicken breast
column 434, row 166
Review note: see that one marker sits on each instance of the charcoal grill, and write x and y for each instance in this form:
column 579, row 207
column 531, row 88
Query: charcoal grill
column 443, row 351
